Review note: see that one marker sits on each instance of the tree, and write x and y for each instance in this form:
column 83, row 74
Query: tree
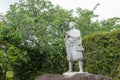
column 84, row 21
column 87, row 26
column 48, row 24
column 110, row 24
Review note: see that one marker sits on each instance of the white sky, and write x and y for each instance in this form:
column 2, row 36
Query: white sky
column 107, row 8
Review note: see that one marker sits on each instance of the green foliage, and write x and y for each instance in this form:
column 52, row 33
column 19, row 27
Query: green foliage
column 85, row 23
column 102, row 53
column 49, row 24
column 56, row 58
column 38, row 18
column 110, row 24
column 3, row 65
column 87, row 26
column 9, row 54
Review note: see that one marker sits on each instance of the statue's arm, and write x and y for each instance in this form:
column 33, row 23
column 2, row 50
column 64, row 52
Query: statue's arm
column 80, row 38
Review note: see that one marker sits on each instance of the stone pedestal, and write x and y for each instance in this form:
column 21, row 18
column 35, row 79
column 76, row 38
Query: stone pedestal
column 70, row 74
column 73, row 76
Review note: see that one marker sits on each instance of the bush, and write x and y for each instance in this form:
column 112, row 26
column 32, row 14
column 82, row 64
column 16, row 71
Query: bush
column 102, row 53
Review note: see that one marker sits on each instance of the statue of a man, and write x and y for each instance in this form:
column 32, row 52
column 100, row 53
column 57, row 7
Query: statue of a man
column 74, row 47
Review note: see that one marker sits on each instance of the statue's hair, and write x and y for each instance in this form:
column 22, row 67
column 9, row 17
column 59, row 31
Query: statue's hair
column 72, row 23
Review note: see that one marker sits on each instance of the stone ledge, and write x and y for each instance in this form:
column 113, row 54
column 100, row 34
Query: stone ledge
column 70, row 74
column 86, row 76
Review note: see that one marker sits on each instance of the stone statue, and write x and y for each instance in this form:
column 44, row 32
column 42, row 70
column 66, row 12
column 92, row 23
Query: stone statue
column 74, row 47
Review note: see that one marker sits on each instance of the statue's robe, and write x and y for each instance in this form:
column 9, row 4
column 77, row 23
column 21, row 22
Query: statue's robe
column 74, row 45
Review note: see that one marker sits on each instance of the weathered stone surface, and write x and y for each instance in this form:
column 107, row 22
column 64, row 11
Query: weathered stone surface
column 70, row 74
column 86, row 76
column 50, row 77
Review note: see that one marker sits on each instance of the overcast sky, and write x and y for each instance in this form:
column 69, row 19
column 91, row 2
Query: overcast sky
column 107, row 8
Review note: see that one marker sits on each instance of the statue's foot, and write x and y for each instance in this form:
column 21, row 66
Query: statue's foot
column 69, row 70
column 81, row 71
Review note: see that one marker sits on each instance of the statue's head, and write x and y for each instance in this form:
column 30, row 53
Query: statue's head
column 72, row 25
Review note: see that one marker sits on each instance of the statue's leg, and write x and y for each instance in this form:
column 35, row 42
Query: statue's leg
column 70, row 66
column 80, row 63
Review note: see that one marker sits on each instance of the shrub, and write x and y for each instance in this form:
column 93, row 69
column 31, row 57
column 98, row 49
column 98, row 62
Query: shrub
column 102, row 53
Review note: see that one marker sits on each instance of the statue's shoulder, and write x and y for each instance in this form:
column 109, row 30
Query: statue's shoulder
column 77, row 31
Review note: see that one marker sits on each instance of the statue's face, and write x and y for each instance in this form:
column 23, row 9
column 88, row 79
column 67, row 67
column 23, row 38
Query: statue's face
column 72, row 25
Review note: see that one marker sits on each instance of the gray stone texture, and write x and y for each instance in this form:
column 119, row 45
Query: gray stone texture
column 86, row 76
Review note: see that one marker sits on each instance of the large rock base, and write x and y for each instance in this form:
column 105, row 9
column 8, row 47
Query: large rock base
column 86, row 76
